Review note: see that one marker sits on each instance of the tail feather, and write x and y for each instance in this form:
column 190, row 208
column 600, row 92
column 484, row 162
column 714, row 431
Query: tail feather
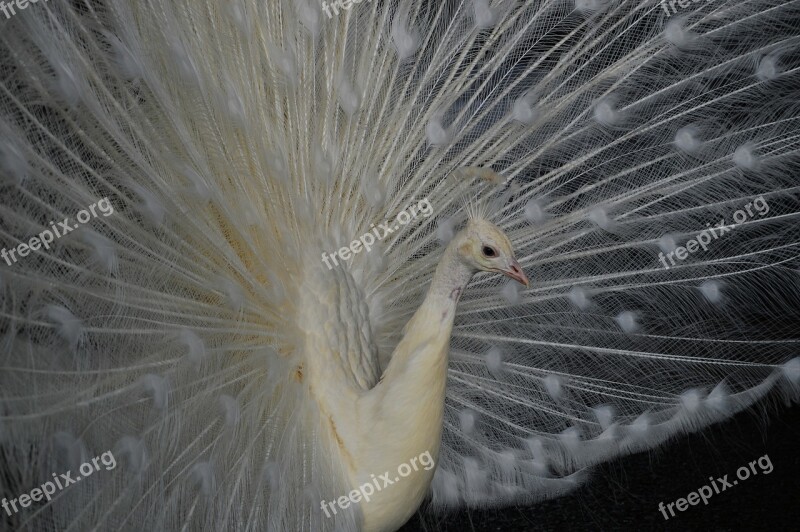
column 237, row 143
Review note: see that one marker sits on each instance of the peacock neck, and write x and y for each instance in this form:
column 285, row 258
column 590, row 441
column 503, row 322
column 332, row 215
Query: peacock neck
column 449, row 281
column 406, row 408
column 430, row 326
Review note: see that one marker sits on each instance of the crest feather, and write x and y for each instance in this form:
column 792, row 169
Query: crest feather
column 477, row 188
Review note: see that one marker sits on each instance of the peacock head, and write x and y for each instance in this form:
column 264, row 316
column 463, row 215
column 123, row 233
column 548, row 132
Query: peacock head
column 485, row 247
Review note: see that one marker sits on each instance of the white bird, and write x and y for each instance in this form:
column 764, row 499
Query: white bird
column 376, row 426
column 237, row 239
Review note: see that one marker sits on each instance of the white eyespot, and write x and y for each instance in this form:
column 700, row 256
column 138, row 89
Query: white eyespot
column 494, row 361
column 605, row 112
column 534, row 212
column 157, row 387
column 511, row 292
column 554, row 386
column 103, row 250
column 627, row 321
column 484, row 16
column 349, row 100
column 711, row 291
column 676, row 33
column 406, row 39
column 202, row 475
column 719, row 398
column 151, row 207
column 435, row 131
column 467, row 420
column 745, row 157
column 196, row 348
column 599, row 217
column 68, row 326
column 445, row 230
column 605, row 415
column 309, row 16
column 571, row 438
column 691, row 400
column 579, row 298
column 667, row 243
column 687, row 139
column 230, row 410
column 524, row 111
column 134, row 451
column 791, row 370
column 768, row 69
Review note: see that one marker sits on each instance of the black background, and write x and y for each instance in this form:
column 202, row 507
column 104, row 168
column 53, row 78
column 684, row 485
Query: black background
column 624, row 494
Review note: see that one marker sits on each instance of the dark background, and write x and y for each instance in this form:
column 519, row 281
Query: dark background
column 624, row 494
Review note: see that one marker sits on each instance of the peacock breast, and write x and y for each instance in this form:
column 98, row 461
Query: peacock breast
column 335, row 320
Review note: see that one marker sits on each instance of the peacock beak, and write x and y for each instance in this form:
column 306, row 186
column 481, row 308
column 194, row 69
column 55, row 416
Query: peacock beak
column 515, row 272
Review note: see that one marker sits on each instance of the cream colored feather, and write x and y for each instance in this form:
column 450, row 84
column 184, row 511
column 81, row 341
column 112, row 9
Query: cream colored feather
column 197, row 333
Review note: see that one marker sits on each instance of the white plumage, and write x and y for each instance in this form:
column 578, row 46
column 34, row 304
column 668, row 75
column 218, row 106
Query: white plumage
column 196, row 333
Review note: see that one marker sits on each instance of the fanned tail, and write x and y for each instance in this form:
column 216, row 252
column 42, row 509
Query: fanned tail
column 237, row 142
column 623, row 136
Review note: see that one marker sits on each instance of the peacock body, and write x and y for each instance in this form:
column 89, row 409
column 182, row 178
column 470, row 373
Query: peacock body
column 203, row 332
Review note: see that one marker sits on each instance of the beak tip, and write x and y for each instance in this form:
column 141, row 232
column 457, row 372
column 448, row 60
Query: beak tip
column 516, row 273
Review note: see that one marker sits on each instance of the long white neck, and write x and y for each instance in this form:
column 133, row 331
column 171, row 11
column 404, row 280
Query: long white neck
column 413, row 364
column 402, row 415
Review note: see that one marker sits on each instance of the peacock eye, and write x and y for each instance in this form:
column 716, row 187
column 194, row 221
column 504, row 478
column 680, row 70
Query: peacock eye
column 489, row 251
